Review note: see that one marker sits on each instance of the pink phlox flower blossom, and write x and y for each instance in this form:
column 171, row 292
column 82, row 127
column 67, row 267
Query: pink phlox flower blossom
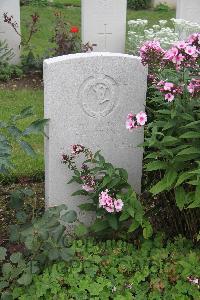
column 110, row 209
column 136, row 121
column 168, row 86
column 169, row 97
column 181, row 45
column 87, row 188
column 191, row 50
column 110, row 204
column 130, row 125
column 118, row 203
column 141, row 118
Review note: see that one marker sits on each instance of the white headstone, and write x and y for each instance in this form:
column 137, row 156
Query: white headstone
column 12, row 7
column 104, row 24
column 188, row 10
column 77, row 115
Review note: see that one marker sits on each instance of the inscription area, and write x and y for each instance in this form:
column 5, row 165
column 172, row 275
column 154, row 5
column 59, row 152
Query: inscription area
column 98, row 95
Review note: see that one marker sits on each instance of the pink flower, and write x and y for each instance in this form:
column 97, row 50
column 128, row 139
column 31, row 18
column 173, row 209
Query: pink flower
column 179, row 58
column 110, row 209
column 130, row 124
column 118, row 205
column 141, row 118
column 181, row 45
column 168, row 86
column 169, row 97
column 190, row 88
column 87, row 188
column 191, row 50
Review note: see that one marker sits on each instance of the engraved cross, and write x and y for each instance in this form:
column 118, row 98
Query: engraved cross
column 105, row 33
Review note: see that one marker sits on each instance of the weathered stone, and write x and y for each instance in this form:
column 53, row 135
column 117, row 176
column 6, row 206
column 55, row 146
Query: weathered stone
column 12, row 7
column 87, row 99
column 104, row 24
column 188, row 10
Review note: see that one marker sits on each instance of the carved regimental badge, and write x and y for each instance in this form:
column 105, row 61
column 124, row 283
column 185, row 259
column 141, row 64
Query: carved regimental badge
column 98, row 95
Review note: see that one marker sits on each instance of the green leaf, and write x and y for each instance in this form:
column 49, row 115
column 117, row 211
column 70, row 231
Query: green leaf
column 16, row 200
column 3, row 252
column 69, row 216
column 169, row 140
column 27, row 148
column 21, row 216
column 87, row 207
column 124, row 216
column 106, row 180
column 25, row 279
column 6, row 296
column 180, row 197
column 147, row 230
column 35, row 127
column 67, row 254
column 190, row 135
column 53, row 254
column 81, row 230
column 80, row 192
column 113, row 222
column 189, row 150
column 133, row 226
column 196, row 202
column 165, row 183
column 7, row 269
column 14, row 131
column 15, row 257
column 183, row 177
column 100, row 225
column 156, row 165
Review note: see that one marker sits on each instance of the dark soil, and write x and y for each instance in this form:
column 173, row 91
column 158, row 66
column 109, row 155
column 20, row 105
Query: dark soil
column 7, row 215
column 28, row 81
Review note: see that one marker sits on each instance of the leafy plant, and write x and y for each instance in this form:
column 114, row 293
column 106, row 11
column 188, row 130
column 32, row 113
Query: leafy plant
column 162, row 7
column 172, row 140
column 42, row 241
column 138, row 4
column 66, row 37
column 118, row 270
column 110, row 195
column 5, row 53
column 10, row 132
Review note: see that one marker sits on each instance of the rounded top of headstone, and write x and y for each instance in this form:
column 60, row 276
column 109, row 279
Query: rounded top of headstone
column 88, row 55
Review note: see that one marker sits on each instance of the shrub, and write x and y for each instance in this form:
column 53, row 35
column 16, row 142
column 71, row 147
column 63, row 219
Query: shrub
column 117, row 207
column 138, row 4
column 121, row 271
column 172, row 137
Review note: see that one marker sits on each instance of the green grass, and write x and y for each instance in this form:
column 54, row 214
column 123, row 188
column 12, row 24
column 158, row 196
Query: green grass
column 13, row 101
column 41, row 40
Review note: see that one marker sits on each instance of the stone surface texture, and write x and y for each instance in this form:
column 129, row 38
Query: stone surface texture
column 188, row 10
column 12, row 7
column 87, row 99
column 104, row 24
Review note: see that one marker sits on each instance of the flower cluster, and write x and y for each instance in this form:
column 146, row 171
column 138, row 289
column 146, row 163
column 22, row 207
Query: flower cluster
column 182, row 54
column 110, row 204
column 136, row 120
column 151, row 53
column 88, row 183
column 77, row 149
column 139, row 32
column 169, row 89
column 194, row 87
column 194, row 40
